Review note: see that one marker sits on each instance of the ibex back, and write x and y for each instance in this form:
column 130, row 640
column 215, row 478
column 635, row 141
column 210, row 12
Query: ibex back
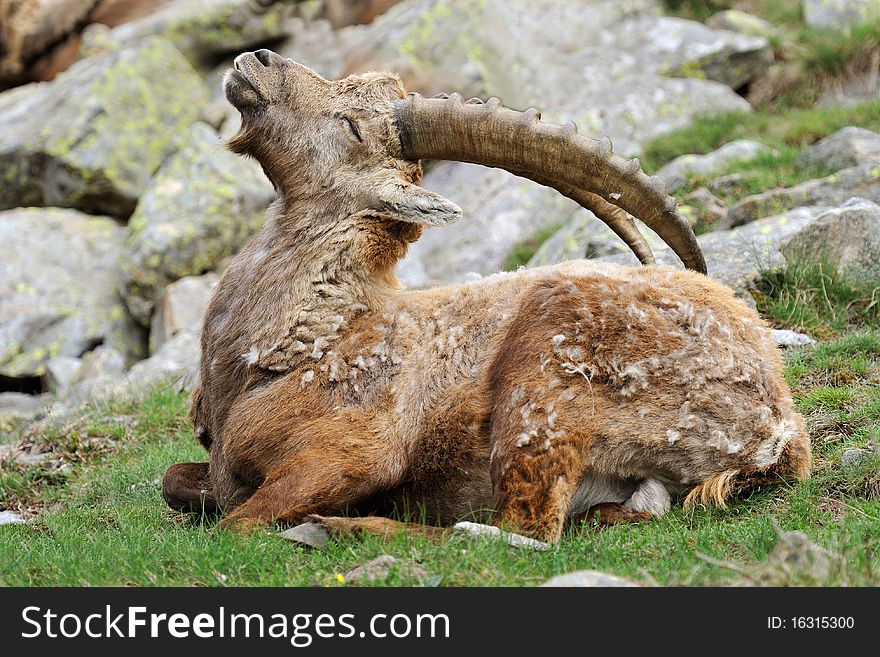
column 525, row 397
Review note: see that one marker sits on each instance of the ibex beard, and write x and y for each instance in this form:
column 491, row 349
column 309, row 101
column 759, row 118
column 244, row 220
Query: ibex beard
column 522, row 399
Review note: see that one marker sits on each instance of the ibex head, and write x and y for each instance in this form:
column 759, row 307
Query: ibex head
column 361, row 139
column 312, row 134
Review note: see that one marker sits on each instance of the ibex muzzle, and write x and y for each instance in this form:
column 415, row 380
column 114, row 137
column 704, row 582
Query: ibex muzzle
column 526, row 397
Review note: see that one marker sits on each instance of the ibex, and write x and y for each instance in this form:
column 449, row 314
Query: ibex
column 524, row 397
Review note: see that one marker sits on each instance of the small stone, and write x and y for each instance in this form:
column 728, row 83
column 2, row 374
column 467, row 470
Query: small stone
column 725, row 184
column 855, row 458
column 708, row 207
column 382, row 566
column 587, row 578
column 477, row 530
column 61, row 371
column 311, row 534
column 10, row 518
column 786, row 338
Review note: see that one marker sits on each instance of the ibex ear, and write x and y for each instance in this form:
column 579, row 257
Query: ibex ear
column 414, row 204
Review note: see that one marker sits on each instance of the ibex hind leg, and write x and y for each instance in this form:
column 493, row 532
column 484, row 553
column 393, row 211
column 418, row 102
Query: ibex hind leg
column 543, row 417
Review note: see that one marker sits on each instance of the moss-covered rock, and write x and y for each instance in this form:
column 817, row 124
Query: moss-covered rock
column 202, row 206
column 830, row 191
column 204, row 30
column 92, row 138
column 57, row 293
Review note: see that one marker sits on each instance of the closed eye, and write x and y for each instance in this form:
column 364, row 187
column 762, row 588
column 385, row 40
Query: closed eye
column 353, row 127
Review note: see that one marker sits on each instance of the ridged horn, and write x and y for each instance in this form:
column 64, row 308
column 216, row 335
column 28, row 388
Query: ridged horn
column 583, row 169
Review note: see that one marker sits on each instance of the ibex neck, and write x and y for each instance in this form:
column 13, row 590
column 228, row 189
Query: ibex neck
column 301, row 281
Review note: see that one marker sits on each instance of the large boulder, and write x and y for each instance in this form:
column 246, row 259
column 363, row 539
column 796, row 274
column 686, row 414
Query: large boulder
column 847, row 238
column 606, row 69
column 57, row 291
column 848, row 147
column 202, row 206
column 676, row 172
column 93, row 138
column 691, row 49
column 205, row 30
column 738, row 257
column 584, row 236
column 830, row 191
column 499, row 210
column 840, row 14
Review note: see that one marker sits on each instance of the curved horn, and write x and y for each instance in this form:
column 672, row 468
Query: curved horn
column 581, row 168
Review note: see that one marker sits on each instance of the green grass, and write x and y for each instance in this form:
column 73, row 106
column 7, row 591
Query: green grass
column 792, row 129
column 521, row 252
column 815, row 298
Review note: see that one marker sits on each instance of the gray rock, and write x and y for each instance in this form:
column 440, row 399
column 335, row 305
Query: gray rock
column 499, row 210
column 737, row 257
column 311, row 534
column 478, row 530
column 676, row 172
column 202, row 206
column 584, row 236
column 795, row 559
column 702, row 207
column 18, row 409
column 729, row 57
column 848, row 147
column 379, row 568
column 176, row 362
column 101, row 369
column 839, row 14
column 726, row 184
column 57, row 293
column 61, row 371
column 587, row 578
column 862, row 181
column 317, row 45
column 92, row 138
column 206, row 29
column 785, row 338
column 847, row 238
column 182, row 307
column 743, row 22
column 10, row 518
column 855, row 458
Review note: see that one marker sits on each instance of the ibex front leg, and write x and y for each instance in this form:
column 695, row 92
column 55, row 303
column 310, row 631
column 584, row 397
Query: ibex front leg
column 336, row 462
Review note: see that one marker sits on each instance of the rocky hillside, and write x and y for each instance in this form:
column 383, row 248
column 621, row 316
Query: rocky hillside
column 119, row 205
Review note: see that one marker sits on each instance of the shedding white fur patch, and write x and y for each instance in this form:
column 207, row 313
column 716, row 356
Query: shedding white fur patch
column 651, row 496
column 306, row 378
column 252, row 356
column 769, row 450
column 672, row 436
column 558, row 340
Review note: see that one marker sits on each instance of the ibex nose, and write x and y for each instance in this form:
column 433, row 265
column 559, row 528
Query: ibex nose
column 264, row 56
